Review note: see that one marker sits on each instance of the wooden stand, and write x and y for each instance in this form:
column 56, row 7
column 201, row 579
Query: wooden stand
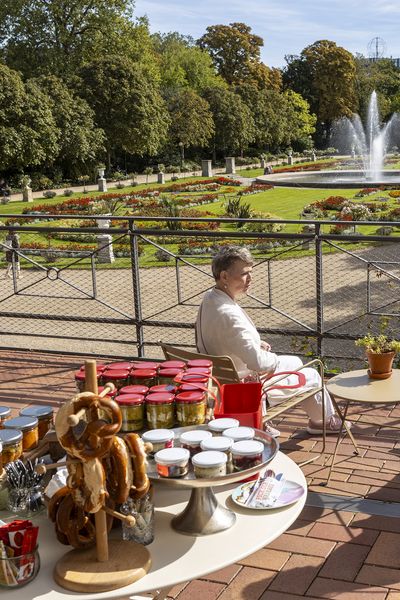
column 112, row 563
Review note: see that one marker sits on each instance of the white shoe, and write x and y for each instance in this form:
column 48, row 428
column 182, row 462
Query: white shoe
column 271, row 430
column 333, row 425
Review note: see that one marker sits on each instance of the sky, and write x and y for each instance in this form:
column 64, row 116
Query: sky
column 286, row 26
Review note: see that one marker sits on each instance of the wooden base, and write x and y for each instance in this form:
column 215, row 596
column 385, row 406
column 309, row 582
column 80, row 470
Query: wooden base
column 79, row 570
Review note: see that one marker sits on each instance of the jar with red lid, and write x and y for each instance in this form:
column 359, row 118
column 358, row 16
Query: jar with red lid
column 132, row 411
column 168, row 375
column 199, row 362
column 118, row 377
column 199, row 370
column 80, row 379
column 163, row 387
column 160, row 410
column 190, row 408
column 111, row 394
column 134, row 389
column 99, row 368
column 145, row 364
column 145, row 377
column 118, row 366
column 194, row 378
column 173, row 364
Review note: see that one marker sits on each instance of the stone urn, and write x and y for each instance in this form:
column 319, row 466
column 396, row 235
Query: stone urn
column 380, row 365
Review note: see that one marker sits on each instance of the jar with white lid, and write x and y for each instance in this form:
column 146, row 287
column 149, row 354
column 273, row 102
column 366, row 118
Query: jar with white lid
column 172, row 462
column 191, row 440
column 159, row 439
column 209, row 464
column 219, row 444
column 247, row 454
column 238, row 434
column 217, row 426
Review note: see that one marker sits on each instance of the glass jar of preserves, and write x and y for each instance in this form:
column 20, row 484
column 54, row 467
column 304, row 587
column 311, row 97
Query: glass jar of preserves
column 238, row 434
column 218, row 426
column 191, row 440
column 5, row 412
column 145, row 377
column 80, row 381
column 172, row 462
column 173, row 364
column 134, row 389
column 119, row 377
column 159, row 439
column 194, row 378
column 132, row 411
column 44, row 415
column 199, row 371
column 219, row 444
column 209, row 464
column 190, row 408
column 168, row 375
column 199, row 362
column 160, row 410
column 247, row 454
column 11, row 440
column 163, row 387
column 119, row 366
column 29, row 427
column 145, row 365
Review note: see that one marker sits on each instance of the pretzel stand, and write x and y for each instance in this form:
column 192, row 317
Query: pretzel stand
column 110, row 564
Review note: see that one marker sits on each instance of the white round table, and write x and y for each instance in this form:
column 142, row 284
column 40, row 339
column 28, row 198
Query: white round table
column 176, row 558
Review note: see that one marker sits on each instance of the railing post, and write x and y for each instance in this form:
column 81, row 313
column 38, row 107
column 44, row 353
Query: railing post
column 319, row 288
column 136, row 288
column 178, row 280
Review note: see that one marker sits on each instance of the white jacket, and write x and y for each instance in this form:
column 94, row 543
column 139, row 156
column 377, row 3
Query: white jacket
column 224, row 329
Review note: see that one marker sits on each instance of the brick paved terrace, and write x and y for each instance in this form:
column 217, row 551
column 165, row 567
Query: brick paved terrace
column 346, row 542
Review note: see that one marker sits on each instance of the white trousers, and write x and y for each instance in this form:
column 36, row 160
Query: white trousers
column 313, row 404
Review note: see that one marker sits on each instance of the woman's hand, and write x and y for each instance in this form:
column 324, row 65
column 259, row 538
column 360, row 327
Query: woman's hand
column 265, row 346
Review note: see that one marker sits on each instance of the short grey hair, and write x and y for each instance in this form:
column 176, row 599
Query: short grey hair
column 228, row 255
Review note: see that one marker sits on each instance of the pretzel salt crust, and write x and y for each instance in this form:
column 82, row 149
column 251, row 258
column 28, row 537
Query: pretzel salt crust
column 91, row 436
column 141, row 483
column 119, row 473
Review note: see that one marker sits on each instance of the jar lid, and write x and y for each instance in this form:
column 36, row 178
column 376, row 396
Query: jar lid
column 209, row 458
column 217, row 443
column 134, row 389
column 116, row 374
column 163, row 387
column 99, row 368
column 21, row 423
column 188, row 387
column 194, row 396
column 145, row 365
column 160, row 398
column 119, row 365
column 80, row 375
column 101, row 388
column 222, row 424
column 193, row 377
column 239, row 433
column 168, row 372
column 172, row 456
column 195, row 436
column 158, row 435
column 247, row 448
column 173, row 364
column 199, row 362
column 124, row 399
column 143, row 373
column 198, row 371
column 36, row 411
column 4, row 411
column 10, row 436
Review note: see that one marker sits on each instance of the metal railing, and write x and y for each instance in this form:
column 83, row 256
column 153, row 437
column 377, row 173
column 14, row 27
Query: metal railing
column 313, row 293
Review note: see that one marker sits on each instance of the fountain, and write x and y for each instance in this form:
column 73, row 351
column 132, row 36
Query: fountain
column 369, row 144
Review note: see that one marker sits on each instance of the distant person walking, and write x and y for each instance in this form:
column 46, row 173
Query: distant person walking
column 12, row 244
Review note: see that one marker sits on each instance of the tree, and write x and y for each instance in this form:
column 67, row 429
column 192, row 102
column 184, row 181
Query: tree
column 234, row 124
column 127, row 105
column 325, row 75
column 235, row 52
column 382, row 76
column 79, row 141
column 191, row 119
column 54, row 36
column 28, row 131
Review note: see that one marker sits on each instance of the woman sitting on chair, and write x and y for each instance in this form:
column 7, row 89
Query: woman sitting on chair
column 224, row 328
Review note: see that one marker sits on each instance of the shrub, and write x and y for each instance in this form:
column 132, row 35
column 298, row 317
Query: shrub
column 162, row 255
column 49, row 194
column 68, row 192
column 40, row 182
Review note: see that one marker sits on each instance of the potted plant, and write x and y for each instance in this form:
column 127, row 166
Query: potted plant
column 380, row 352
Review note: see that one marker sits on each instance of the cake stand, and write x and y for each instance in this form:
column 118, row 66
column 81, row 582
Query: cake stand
column 203, row 515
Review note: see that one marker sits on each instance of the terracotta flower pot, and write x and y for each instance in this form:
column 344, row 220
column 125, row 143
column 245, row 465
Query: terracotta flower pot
column 380, row 365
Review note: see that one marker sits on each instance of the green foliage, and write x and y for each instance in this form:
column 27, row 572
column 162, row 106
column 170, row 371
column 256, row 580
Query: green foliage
column 236, row 207
column 378, row 344
column 191, row 119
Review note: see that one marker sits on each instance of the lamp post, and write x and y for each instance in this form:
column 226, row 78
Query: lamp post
column 182, row 149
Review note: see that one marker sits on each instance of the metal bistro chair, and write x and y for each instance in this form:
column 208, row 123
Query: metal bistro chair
column 224, row 370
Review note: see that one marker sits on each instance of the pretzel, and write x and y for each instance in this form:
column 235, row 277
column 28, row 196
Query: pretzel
column 141, row 483
column 54, row 502
column 87, row 483
column 85, row 425
column 119, row 473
